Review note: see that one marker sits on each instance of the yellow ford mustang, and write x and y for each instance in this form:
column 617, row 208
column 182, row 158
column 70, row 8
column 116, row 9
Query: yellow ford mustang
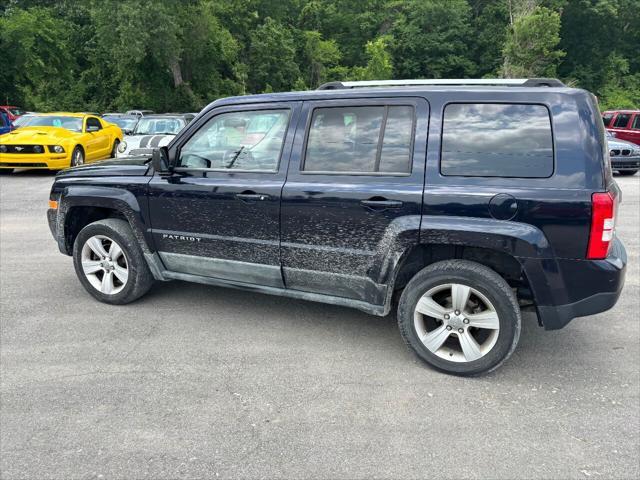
column 58, row 140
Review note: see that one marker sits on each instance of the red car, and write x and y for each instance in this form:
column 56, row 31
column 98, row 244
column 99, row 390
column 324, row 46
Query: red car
column 624, row 124
column 12, row 111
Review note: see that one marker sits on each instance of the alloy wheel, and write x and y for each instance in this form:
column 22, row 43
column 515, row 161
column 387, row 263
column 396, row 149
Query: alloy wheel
column 104, row 264
column 78, row 158
column 456, row 322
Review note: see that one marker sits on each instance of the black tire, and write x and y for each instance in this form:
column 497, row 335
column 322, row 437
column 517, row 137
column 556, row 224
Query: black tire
column 6, row 171
column 114, row 150
column 627, row 173
column 77, row 157
column 485, row 281
column 139, row 279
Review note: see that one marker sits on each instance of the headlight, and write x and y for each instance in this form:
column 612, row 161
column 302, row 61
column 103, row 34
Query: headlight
column 56, row 149
column 3, row 149
column 122, row 147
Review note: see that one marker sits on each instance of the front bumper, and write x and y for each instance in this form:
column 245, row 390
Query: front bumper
column 50, row 161
column 625, row 163
column 588, row 287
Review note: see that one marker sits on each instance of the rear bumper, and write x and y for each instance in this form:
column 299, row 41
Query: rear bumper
column 586, row 287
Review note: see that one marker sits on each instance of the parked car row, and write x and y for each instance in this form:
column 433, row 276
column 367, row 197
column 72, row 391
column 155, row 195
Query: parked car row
column 623, row 136
column 60, row 140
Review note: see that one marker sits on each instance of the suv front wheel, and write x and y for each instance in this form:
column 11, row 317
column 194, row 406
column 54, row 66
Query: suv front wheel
column 110, row 263
column 460, row 317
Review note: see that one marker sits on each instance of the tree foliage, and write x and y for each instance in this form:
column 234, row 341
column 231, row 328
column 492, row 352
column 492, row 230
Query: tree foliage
column 172, row 55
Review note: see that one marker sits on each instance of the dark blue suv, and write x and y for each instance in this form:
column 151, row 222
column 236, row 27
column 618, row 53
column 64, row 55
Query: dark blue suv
column 461, row 202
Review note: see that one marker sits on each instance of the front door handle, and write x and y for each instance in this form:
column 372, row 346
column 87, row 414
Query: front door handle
column 380, row 203
column 251, row 197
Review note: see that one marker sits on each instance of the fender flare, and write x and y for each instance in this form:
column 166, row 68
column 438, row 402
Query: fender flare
column 121, row 200
column 526, row 243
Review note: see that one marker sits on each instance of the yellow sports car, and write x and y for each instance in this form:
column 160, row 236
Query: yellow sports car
column 59, row 140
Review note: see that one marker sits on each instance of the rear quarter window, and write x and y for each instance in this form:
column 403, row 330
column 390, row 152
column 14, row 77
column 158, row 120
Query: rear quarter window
column 497, row 140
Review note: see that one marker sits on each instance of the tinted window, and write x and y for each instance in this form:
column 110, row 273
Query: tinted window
column 497, row 140
column 238, row 141
column 622, row 120
column 606, row 118
column 360, row 140
column 93, row 122
column 636, row 122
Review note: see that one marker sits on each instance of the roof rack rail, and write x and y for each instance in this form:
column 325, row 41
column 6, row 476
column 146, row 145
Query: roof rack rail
column 509, row 82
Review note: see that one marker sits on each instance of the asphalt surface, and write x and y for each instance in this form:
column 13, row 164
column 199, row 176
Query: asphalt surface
column 195, row 381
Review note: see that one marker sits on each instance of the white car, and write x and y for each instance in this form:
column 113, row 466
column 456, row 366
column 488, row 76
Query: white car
column 152, row 131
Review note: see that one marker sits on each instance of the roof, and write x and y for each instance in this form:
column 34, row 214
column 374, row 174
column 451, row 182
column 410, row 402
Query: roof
column 621, row 111
column 394, row 91
column 62, row 114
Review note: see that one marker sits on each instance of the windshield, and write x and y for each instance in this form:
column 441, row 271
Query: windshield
column 23, row 121
column 157, row 126
column 70, row 123
column 125, row 123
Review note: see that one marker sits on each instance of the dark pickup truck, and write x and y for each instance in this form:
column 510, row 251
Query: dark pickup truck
column 461, row 202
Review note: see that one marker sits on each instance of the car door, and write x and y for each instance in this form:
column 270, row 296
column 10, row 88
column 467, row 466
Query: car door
column 355, row 178
column 96, row 141
column 620, row 125
column 634, row 129
column 218, row 213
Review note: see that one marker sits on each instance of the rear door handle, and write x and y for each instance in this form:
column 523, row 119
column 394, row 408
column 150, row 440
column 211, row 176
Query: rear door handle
column 251, row 197
column 381, row 204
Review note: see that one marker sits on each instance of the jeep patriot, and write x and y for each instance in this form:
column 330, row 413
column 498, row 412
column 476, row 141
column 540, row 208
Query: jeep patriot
column 458, row 202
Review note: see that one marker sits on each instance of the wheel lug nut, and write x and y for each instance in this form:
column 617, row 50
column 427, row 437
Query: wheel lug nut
column 466, row 320
column 449, row 327
column 457, row 312
column 460, row 330
column 446, row 316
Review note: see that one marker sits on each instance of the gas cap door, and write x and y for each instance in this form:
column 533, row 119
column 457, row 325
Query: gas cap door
column 503, row 206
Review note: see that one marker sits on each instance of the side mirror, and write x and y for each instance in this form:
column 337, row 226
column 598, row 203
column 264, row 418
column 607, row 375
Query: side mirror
column 160, row 160
column 127, row 131
column 92, row 128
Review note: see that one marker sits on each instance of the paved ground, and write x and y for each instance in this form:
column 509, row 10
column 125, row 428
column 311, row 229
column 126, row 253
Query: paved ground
column 194, row 381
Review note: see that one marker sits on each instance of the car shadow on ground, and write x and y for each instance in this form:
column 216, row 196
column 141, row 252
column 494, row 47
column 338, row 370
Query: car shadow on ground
column 538, row 351
column 26, row 172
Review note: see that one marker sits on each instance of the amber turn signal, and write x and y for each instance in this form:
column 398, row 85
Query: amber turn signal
column 53, row 204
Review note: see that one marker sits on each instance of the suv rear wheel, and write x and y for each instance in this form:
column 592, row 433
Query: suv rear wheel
column 110, row 263
column 460, row 317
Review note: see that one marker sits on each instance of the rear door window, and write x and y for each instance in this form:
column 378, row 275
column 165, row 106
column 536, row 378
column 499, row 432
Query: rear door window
column 622, row 120
column 497, row 140
column 361, row 140
column 636, row 122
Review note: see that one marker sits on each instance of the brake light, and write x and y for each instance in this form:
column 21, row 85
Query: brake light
column 603, row 225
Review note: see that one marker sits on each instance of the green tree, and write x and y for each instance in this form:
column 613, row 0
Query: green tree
column 37, row 64
column 319, row 54
column 379, row 64
column 272, row 56
column 431, row 38
column 530, row 49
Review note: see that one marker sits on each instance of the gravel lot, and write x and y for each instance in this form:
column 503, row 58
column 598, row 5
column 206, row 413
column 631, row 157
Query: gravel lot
column 195, row 381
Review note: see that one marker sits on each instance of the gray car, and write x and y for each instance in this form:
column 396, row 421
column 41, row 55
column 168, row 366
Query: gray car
column 625, row 156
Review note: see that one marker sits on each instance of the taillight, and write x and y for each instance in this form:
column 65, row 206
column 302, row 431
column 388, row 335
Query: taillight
column 603, row 224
